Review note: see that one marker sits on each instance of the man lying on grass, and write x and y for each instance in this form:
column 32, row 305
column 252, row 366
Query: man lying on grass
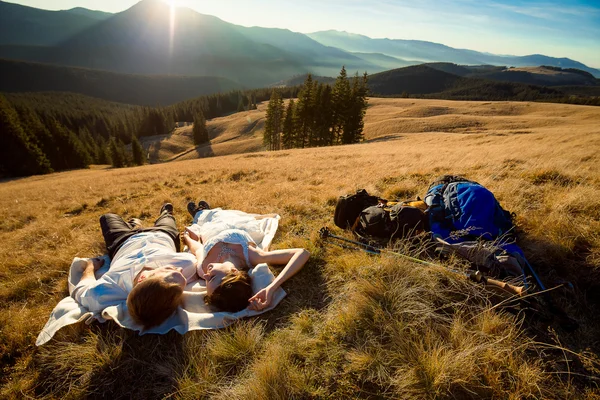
column 148, row 271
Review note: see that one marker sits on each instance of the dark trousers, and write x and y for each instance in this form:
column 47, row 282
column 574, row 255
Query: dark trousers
column 116, row 231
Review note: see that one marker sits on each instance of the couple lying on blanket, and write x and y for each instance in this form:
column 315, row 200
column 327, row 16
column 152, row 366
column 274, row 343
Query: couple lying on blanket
column 148, row 272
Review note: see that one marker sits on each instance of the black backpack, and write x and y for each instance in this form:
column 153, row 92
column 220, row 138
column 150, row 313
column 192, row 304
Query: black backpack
column 349, row 207
column 390, row 223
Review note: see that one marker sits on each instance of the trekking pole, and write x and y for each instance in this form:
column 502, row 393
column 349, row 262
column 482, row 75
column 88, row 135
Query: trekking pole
column 475, row 276
column 325, row 233
column 535, row 276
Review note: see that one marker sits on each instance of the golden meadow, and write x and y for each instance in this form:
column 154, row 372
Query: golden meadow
column 352, row 325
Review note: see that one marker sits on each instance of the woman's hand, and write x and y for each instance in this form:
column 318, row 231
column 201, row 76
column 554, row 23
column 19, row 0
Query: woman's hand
column 97, row 262
column 190, row 233
column 190, row 239
column 262, row 299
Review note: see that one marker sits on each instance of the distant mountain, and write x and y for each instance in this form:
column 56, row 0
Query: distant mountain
column 98, row 15
column 542, row 76
column 416, row 79
column 424, row 81
column 28, row 26
column 139, row 41
column 16, row 76
column 423, row 51
column 320, row 59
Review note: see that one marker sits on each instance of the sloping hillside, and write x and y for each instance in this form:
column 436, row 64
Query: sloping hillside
column 237, row 133
column 418, row 79
column 387, row 119
column 16, row 76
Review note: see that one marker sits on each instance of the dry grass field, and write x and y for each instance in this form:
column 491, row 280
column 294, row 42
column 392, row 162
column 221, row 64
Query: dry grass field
column 352, row 325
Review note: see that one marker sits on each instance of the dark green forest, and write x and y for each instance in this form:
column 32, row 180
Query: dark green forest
column 46, row 132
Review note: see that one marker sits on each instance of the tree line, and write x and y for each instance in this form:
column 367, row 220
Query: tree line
column 322, row 115
column 46, row 132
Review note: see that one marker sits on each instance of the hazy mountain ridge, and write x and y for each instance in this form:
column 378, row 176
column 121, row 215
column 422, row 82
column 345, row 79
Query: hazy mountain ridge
column 17, row 76
column 28, row 26
column 138, row 41
column 95, row 14
column 434, row 52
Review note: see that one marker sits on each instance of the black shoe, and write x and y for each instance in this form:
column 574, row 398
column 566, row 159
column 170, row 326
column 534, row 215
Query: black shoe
column 135, row 223
column 202, row 205
column 167, row 207
column 192, row 209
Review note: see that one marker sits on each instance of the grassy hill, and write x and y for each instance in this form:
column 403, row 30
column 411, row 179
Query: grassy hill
column 386, row 119
column 352, row 325
column 417, row 79
column 155, row 90
column 541, row 76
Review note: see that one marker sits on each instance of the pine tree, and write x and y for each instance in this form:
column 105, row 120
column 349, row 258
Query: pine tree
column 273, row 122
column 240, row 106
column 288, row 131
column 199, row 131
column 104, row 151
column 137, row 152
column 324, row 117
column 353, row 125
column 117, row 153
column 341, row 103
column 71, row 152
column 305, row 113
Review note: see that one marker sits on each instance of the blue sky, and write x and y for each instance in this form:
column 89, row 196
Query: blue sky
column 568, row 28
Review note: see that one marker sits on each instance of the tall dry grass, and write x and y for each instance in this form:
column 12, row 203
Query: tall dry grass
column 352, row 325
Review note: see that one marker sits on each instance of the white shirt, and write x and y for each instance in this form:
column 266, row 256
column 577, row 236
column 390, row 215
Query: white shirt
column 146, row 249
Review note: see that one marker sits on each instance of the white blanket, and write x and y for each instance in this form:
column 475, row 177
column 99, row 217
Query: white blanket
column 193, row 314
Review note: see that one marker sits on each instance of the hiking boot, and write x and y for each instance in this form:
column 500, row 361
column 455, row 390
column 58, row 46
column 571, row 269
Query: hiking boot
column 203, row 205
column 192, row 209
column 167, row 207
column 135, row 223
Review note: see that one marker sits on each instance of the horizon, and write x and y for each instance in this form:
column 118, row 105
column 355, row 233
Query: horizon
column 499, row 27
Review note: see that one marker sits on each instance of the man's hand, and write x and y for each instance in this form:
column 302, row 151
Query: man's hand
column 262, row 299
column 92, row 266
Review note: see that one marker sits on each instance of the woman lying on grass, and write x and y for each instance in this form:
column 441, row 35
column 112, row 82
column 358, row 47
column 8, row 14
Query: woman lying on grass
column 225, row 256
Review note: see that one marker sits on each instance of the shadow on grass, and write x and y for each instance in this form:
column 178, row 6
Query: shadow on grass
column 305, row 291
column 115, row 363
column 574, row 290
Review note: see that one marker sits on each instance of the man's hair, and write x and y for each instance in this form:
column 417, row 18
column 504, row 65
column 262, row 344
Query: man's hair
column 152, row 301
column 233, row 292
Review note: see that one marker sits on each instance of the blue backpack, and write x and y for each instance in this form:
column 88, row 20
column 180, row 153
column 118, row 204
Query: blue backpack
column 458, row 204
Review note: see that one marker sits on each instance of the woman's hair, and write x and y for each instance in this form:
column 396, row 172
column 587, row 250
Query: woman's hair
column 233, row 292
column 152, row 301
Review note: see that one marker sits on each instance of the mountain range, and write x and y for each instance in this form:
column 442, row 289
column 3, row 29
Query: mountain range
column 141, row 40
